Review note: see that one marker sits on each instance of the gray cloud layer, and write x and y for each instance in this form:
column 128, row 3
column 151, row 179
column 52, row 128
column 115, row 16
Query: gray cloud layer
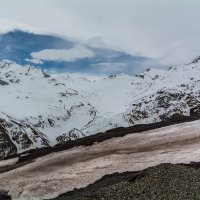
column 163, row 29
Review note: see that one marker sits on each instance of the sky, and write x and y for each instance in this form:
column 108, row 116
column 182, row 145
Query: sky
column 167, row 30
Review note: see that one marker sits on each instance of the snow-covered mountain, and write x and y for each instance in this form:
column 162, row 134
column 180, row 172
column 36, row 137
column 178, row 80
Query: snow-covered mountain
column 38, row 109
column 34, row 105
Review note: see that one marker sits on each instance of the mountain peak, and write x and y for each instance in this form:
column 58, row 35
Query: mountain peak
column 196, row 60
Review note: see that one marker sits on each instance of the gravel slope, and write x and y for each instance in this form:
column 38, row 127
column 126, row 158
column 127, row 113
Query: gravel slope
column 162, row 182
column 165, row 181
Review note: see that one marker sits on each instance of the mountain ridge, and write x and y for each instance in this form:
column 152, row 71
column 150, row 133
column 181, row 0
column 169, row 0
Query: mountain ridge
column 38, row 109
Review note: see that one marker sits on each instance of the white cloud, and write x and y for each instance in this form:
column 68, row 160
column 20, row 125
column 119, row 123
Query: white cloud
column 69, row 55
column 96, row 42
column 10, row 24
column 148, row 27
column 35, row 61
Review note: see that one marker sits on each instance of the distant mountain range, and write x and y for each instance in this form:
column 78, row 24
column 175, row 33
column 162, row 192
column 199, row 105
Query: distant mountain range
column 57, row 54
column 38, row 109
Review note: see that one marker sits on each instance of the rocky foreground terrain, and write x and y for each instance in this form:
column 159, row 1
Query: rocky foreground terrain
column 50, row 174
column 165, row 181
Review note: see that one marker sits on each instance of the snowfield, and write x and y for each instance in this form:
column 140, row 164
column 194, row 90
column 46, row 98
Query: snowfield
column 38, row 110
column 59, row 172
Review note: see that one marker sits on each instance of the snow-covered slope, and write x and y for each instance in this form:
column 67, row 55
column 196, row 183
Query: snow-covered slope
column 152, row 96
column 37, row 109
